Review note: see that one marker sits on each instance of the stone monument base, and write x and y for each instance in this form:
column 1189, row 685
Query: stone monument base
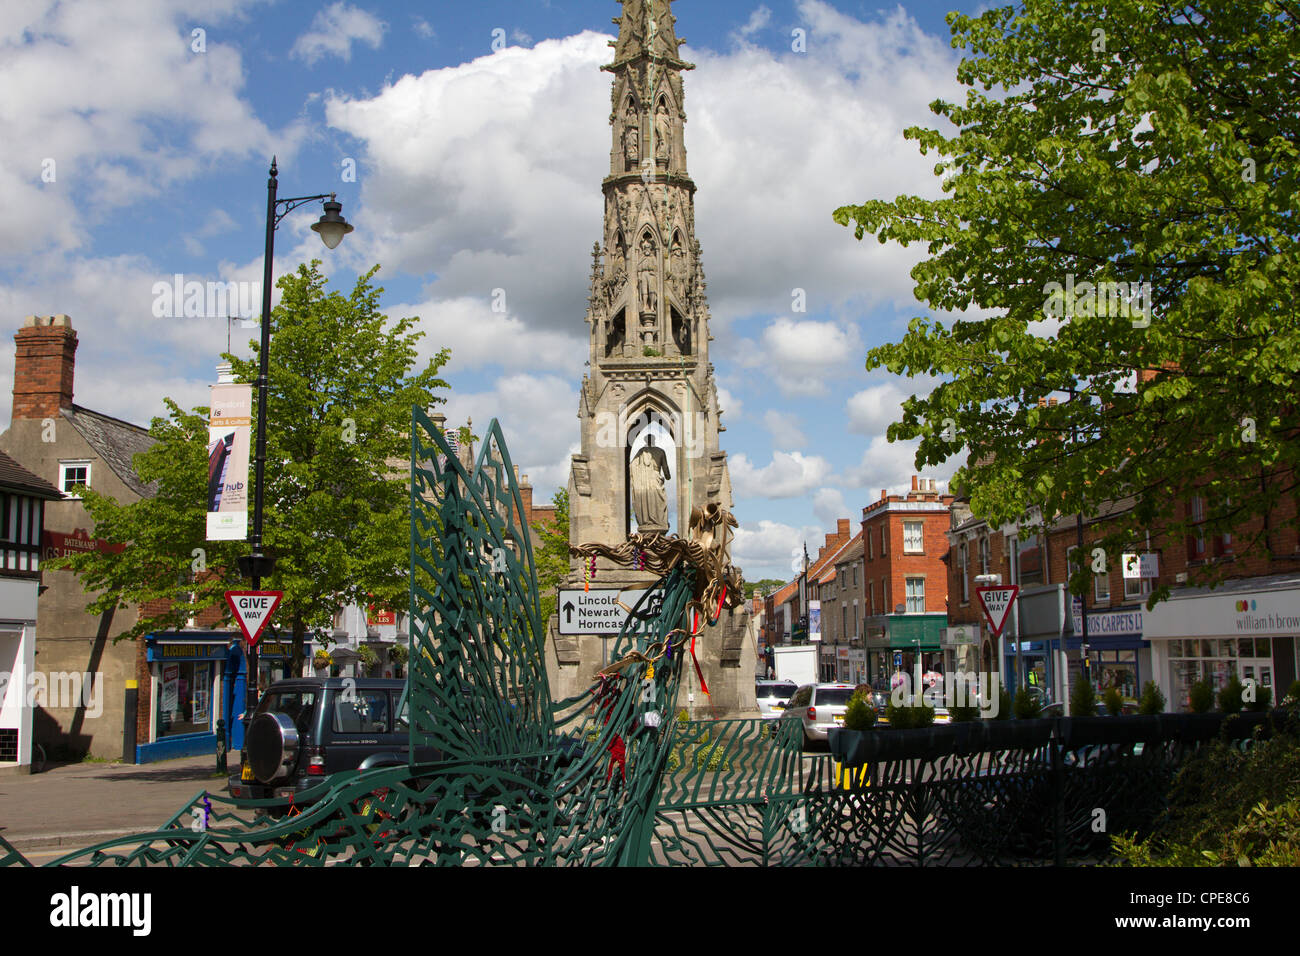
column 727, row 658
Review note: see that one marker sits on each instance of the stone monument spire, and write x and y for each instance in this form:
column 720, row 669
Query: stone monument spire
column 648, row 405
column 647, row 313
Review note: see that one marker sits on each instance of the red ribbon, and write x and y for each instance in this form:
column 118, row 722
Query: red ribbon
column 698, row 673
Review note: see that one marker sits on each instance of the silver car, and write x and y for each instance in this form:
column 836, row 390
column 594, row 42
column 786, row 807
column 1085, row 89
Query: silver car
column 820, row 707
column 772, row 697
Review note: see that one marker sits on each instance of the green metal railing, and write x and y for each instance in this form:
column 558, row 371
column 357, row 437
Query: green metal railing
column 526, row 781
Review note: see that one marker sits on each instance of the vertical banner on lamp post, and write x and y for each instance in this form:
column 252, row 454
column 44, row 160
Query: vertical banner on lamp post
column 229, row 428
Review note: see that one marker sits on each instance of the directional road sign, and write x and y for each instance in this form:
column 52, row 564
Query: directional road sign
column 996, row 602
column 253, row 609
column 596, row 611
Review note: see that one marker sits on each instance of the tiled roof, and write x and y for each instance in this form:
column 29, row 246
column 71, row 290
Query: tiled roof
column 17, row 478
column 786, row 592
column 116, row 442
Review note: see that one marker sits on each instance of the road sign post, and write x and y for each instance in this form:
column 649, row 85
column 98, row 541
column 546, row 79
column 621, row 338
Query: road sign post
column 996, row 602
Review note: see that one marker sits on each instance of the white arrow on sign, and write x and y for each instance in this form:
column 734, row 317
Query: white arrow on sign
column 997, row 602
column 253, row 609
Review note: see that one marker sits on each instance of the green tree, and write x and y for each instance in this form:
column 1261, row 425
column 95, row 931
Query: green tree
column 552, row 554
column 1148, row 144
column 765, row 585
column 342, row 381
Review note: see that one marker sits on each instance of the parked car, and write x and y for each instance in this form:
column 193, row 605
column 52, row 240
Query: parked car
column 819, row 707
column 304, row 731
column 772, row 697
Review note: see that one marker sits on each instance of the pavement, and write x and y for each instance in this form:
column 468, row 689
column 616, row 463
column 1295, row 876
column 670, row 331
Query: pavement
column 70, row 806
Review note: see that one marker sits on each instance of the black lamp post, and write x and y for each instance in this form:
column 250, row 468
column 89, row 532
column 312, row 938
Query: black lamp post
column 332, row 227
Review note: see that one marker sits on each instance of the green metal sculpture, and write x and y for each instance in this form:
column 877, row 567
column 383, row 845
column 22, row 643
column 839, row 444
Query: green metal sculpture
column 527, row 781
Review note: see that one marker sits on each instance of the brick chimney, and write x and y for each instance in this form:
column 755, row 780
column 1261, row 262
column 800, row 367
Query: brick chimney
column 842, row 527
column 45, row 354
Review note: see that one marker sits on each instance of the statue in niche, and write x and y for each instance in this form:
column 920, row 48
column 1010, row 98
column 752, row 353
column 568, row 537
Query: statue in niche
column 663, row 134
column 647, row 272
column 615, row 334
column 677, row 268
column 647, row 474
column 631, row 146
column 682, row 332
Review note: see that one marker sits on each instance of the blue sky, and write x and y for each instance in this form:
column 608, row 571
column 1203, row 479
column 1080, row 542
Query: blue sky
column 135, row 137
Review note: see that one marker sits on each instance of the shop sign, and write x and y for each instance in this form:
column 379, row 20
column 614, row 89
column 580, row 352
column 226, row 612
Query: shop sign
column 1140, row 566
column 1257, row 613
column 55, row 544
column 1109, row 623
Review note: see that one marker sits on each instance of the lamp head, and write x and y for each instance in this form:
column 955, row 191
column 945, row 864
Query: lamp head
column 331, row 226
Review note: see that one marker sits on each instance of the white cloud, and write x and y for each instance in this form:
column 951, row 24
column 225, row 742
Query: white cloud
column 891, row 466
column 488, row 172
column 764, row 550
column 334, row 29
column 731, row 406
column 759, row 19
column 479, row 336
column 789, row 475
column 829, row 506
column 108, row 105
column 785, row 429
column 871, row 411
column 804, row 356
column 422, row 28
column 538, row 416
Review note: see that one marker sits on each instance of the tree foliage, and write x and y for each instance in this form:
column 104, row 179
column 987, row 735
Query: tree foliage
column 552, row 554
column 342, row 381
column 1129, row 142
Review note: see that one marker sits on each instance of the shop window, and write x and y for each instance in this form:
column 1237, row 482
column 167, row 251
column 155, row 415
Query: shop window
column 183, row 699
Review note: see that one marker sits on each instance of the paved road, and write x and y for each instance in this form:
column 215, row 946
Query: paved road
column 76, row 805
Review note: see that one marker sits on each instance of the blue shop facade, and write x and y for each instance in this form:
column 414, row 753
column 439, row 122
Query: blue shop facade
column 1052, row 646
column 198, row 678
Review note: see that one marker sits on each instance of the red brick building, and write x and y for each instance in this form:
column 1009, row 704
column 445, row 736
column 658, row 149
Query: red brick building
column 1249, row 625
column 905, row 587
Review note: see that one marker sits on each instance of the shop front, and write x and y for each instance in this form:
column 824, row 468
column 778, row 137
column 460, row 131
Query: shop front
column 1248, row 627
column 1037, row 656
column 196, row 679
column 895, row 640
column 1118, row 654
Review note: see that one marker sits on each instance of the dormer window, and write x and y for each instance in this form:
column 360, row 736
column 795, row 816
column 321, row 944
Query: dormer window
column 73, row 476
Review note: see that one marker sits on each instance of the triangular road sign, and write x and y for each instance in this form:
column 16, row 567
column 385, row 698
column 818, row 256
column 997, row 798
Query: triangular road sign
column 253, row 609
column 996, row 602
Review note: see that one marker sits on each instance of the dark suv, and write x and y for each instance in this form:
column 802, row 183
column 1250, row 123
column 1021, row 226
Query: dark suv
column 304, row 730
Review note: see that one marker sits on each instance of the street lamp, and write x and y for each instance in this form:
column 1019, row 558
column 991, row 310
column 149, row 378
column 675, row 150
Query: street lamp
column 331, row 227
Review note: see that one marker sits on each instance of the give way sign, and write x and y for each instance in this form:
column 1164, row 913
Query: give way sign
column 997, row 602
column 253, row 609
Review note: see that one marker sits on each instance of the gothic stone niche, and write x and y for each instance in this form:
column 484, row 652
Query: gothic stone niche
column 631, row 138
column 650, row 448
